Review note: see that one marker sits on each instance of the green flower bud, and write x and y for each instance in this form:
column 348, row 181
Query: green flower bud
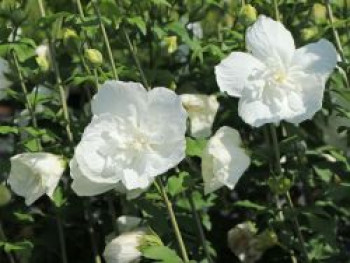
column 43, row 63
column 308, row 34
column 279, row 185
column 149, row 240
column 5, row 195
column 319, row 13
column 267, row 239
column 248, row 14
column 94, row 57
column 69, row 33
column 171, row 43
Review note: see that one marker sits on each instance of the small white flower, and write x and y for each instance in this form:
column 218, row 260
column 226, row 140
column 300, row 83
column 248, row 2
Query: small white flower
column 4, row 82
column 224, row 160
column 124, row 248
column 134, row 136
column 201, row 110
column 276, row 81
column 35, row 174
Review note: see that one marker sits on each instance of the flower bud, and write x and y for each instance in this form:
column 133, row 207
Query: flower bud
column 248, row 14
column 43, row 63
column 279, row 185
column 43, row 57
column 94, row 57
column 171, row 43
column 150, row 240
column 125, row 248
column 70, row 39
column 319, row 13
column 128, row 223
column 5, row 195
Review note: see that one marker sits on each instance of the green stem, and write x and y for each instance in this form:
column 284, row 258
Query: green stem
column 62, row 92
column 112, row 213
column 91, row 231
column 61, row 239
column 136, row 60
column 29, row 105
column 105, row 38
column 169, row 206
column 277, row 14
column 334, row 30
column 199, row 227
column 3, row 238
column 278, row 170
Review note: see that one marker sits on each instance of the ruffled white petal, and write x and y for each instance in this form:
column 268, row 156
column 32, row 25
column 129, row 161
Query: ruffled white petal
column 233, row 72
column 223, row 160
column 318, row 58
column 270, row 41
column 123, row 99
column 81, row 184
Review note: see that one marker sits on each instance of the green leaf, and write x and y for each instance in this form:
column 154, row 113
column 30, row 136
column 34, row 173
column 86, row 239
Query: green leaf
column 176, row 184
column 195, row 147
column 20, row 216
column 58, row 197
column 162, row 254
column 138, row 22
column 250, row 205
column 161, row 2
column 8, row 129
column 23, row 245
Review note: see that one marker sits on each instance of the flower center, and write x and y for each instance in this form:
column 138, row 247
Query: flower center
column 139, row 142
column 279, row 77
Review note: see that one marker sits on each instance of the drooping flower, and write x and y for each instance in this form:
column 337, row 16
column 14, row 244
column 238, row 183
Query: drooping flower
column 35, row 174
column 134, row 136
column 124, row 248
column 201, row 110
column 275, row 81
column 4, row 82
column 242, row 241
column 224, row 160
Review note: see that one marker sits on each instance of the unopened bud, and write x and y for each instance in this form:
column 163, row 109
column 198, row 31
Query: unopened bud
column 171, row 43
column 94, row 57
column 248, row 14
column 150, row 240
column 319, row 13
column 5, row 195
column 43, row 63
column 279, row 185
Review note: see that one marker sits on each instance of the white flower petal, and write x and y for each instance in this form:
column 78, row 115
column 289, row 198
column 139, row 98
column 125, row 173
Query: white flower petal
column 233, row 72
column 223, row 160
column 82, row 186
column 123, row 99
column 202, row 111
column 318, row 58
column 124, row 248
column 269, row 40
column 309, row 98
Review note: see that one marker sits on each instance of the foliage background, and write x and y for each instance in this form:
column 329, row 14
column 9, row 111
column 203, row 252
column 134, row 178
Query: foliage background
column 316, row 155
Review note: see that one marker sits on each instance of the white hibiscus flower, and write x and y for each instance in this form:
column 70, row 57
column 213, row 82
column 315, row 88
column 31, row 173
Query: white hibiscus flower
column 201, row 110
column 276, row 81
column 134, row 136
column 35, row 174
column 224, row 160
column 4, row 82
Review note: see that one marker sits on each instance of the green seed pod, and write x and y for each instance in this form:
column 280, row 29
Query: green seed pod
column 5, row 195
column 94, row 57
